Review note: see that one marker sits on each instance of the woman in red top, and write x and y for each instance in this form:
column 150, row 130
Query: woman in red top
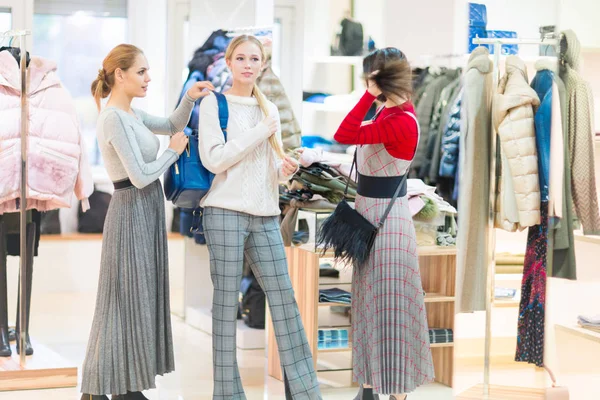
column 391, row 349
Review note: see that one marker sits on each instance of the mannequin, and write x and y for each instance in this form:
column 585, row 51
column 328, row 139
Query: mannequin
column 9, row 224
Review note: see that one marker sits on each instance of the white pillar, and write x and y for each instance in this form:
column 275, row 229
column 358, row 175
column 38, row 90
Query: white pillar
column 147, row 29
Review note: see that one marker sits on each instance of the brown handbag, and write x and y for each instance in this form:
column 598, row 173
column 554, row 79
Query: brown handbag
column 555, row 392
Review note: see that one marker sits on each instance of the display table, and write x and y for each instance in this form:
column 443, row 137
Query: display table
column 438, row 274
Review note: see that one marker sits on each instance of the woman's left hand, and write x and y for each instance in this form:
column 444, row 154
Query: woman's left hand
column 200, row 89
column 290, row 166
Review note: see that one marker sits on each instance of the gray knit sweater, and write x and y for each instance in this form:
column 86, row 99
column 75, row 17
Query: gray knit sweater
column 129, row 146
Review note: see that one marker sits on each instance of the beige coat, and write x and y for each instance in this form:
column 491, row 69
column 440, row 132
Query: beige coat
column 513, row 112
column 473, row 200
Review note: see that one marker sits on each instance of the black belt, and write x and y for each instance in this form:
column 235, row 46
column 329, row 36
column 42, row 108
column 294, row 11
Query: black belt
column 122, row 184
column 381, row 187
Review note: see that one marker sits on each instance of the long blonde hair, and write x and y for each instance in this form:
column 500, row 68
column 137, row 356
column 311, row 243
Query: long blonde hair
column 123, row 56
column 256, row 92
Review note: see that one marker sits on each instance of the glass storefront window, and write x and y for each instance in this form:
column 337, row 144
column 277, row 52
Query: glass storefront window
column 5, row 20
column 78, row 60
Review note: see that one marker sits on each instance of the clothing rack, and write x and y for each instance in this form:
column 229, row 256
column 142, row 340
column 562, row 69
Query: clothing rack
column 428, row 60
column 490, row 250
column 22, row 34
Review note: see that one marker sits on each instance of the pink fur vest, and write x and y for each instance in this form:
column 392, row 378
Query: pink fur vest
column 56, row 163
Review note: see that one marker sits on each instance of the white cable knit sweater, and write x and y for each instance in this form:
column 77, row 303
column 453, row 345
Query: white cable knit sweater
column 247, row 170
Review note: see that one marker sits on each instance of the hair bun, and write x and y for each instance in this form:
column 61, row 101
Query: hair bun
column 101, row 75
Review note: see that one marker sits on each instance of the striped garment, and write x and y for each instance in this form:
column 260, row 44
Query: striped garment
column 390, row 339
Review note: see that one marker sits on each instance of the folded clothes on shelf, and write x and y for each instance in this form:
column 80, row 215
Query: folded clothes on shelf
column 327, row 270
column 504, row 293
column 332, row 339
column 438, row 335
column 587, row 321
column 334, row 295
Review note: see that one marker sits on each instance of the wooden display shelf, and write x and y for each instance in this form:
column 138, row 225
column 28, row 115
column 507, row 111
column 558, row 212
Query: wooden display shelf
column 503, row 393
column 45, row 369
column 335, row 350
column 334, row 304
column 441, row 345
column 438, row 276
column 438, row 298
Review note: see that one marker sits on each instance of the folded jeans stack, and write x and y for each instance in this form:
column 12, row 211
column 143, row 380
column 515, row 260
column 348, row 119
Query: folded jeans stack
column 334, row 295
column 437, row 335
column 332, row 339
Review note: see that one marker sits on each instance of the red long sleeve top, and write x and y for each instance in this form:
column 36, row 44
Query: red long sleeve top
column 393, row 127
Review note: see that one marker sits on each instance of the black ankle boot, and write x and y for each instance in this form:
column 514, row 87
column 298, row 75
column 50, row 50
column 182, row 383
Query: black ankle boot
column 134, row 396
column 366, row 394
column 93, row 397
column 5, row 350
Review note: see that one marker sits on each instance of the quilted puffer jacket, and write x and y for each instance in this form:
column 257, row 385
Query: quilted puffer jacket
column 513, row 118
column 57, row 165
column 271, row 86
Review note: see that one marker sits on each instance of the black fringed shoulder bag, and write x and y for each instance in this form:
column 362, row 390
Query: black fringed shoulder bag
column 346, row 231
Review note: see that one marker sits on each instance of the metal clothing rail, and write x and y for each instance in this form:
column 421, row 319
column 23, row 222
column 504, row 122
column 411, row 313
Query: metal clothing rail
column 490, row 250
column 22, row 205
column 247, row 29
column 15, row 33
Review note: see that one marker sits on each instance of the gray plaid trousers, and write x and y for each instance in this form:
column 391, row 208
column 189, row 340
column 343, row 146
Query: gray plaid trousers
column 233, row 238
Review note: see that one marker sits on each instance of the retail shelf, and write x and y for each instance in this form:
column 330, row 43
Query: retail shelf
column 440, row 345
column 506, row 303
column 334, row 304
column 581, row 332
column 438, row 298
column 334, row 370
column 335, row 350
column 334, row 326
column 339, row 60
column 579, row 236
column 345, row 278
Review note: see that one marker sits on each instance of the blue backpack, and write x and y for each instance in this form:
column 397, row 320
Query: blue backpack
column 187, row 181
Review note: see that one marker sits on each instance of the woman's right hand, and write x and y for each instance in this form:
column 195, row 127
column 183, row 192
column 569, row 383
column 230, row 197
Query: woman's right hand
column 179, row 142
column 271, row 124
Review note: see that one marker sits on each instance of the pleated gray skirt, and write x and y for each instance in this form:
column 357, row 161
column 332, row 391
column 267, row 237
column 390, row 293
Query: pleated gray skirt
column 131, row 341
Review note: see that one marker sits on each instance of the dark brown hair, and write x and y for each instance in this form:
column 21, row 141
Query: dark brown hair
column 123, row 56
column 394, row 76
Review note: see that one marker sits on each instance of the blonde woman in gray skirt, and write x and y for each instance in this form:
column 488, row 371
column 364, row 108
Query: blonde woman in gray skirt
column 131, row 341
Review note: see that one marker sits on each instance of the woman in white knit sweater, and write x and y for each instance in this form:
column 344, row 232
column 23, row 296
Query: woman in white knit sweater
column 241, row 223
